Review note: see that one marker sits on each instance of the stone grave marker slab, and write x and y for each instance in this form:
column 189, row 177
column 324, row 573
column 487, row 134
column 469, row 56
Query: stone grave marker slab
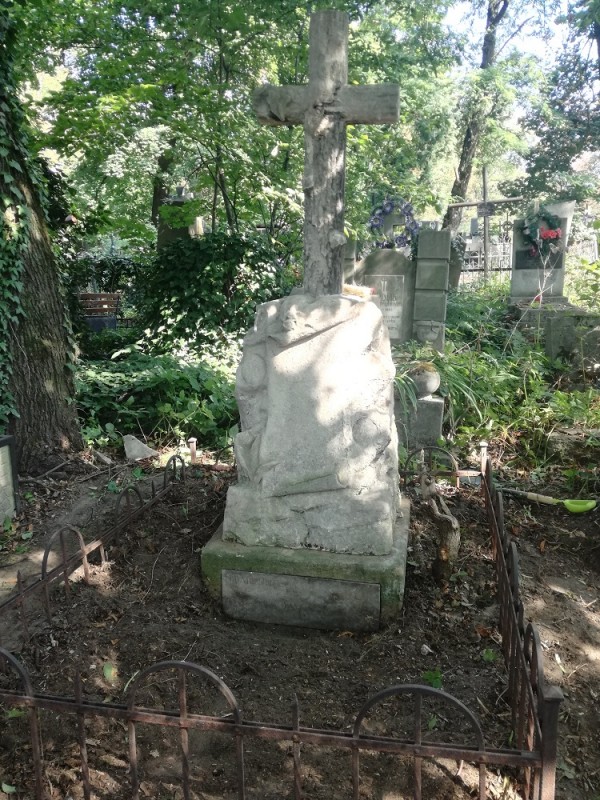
column 8, row 478
column 298, row 600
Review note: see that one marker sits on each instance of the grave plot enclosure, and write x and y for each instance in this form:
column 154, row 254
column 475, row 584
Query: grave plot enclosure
column 179, row 716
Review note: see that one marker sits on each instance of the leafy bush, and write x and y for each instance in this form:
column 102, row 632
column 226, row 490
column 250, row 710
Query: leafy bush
column 164, row 398
column 108, row 273
column 101, row 345
column 197, row 289
column 583, row 283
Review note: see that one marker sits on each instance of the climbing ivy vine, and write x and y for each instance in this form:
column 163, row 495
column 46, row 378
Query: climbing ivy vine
column 20, row 179
column 15, row 214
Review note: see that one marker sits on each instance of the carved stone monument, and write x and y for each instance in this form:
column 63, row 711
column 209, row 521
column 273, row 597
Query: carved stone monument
column 313, row 532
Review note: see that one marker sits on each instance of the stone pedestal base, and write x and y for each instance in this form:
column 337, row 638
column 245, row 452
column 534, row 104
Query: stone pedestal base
column 308, row 588
column 421, row 426
column 527, row 301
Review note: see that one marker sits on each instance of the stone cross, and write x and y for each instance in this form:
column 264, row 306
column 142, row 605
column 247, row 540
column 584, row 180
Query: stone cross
column 324, row 107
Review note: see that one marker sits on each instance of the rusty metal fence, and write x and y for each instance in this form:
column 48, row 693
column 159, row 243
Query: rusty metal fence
column 129, row 506
column 534, row 705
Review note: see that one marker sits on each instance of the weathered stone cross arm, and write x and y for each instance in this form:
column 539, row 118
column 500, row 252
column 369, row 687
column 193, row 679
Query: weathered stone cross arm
column 324, row 107
column 377, row 104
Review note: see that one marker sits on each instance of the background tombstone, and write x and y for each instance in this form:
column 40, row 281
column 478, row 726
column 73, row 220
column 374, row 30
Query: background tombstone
column 431, row 288
column 391, row 275
column 8, row 478
column 534, row 275
column 412, row 295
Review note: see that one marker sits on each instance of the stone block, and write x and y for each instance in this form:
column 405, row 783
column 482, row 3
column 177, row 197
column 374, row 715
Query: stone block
column 432, row 275
column 391, row 299
column 532, row 275
column 298, row 600
column 560, row 336
column 430, row 305
column 331, row 572
column 8, row 478
column 422, row 426
column 434, row 244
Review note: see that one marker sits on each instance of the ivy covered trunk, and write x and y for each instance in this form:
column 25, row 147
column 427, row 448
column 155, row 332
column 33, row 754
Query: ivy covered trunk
column 36, row 382
column 42, row 380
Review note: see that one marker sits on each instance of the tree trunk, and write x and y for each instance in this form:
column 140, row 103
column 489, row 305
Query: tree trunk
column 496, row 11
column 160, row 191
column 42, row 383
column 32, row 311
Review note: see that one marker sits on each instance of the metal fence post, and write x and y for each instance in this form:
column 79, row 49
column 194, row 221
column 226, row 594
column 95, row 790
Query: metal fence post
column 552, row 698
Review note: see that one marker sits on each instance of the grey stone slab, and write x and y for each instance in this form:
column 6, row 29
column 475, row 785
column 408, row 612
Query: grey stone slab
column 385, row 262
column 299, row 600
column 527, row 284
column 531, row 275
column 7, row 480
column 560, row 335
column 430, row 305
column 420, row 426
column 524, row 260
column 434, row 244
column 432, row 274
column 391, row 299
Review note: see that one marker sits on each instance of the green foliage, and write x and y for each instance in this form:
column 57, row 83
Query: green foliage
column 576, row 406
column 104, row 344
column 196, row 290
column 14, row 213
column 106, row 273
column 166, row 398
column 163, row 114
column 433, row 677
column 497, row 383
column 564, row 122
column 583, row 284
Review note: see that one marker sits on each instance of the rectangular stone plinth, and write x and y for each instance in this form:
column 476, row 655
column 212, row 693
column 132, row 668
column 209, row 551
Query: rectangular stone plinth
column 266, row 589
column 310, row 602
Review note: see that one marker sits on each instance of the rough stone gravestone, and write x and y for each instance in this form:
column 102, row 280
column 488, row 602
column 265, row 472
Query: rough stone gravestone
column 313, row 532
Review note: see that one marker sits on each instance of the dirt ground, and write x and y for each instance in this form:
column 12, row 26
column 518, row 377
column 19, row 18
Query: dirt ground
column 148, row 604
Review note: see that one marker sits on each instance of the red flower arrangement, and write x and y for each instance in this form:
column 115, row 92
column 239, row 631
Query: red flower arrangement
column 542, row 231
column 550, row 234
